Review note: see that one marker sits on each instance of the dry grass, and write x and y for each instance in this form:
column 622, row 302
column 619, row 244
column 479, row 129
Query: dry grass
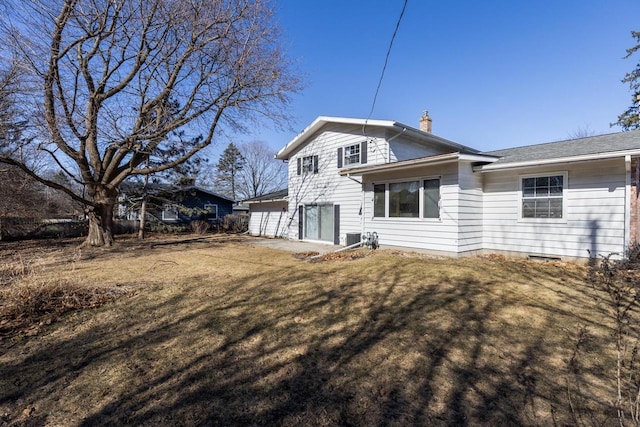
column 218, row 332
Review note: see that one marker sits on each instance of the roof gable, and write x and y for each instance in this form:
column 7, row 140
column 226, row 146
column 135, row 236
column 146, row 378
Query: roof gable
column 399, row 128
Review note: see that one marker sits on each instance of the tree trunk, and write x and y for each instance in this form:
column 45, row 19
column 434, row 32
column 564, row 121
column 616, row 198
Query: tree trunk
column 143, row 206
column 143, row 215
column 101, row 222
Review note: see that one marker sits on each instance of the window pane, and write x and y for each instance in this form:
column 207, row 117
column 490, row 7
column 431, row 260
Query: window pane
column 378, row 200
column 326, row 223
column 431, row 198
column 528, row 208
column 542, row 208
column 404, row 199
column 311, row 222
column 556, row 181
column 555, row 208
column 542, row 186
column 528, row 187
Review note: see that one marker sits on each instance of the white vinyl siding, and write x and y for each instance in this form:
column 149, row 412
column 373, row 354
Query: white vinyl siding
column 438, row 235
column 470, row 199
column 593, row 217
column 327, row 187
column 268, row 219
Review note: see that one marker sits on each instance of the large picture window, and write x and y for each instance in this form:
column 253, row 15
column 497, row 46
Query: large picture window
column 409, row 199
column 542, row 196
column 404, row 199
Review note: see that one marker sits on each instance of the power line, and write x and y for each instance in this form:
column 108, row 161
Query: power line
column 384, row 68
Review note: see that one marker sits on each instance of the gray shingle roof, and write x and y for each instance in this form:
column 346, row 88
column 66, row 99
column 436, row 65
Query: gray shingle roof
column 607, row 143
column 276, row 195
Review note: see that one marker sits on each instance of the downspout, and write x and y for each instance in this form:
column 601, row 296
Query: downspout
column 627, row 203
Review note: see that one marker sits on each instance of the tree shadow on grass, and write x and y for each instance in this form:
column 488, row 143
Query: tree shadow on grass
column 309, row 347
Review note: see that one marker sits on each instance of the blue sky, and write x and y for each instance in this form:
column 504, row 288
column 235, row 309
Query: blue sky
column 492, row 74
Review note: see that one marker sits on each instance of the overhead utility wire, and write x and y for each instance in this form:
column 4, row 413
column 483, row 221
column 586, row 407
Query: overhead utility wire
column 384, row 68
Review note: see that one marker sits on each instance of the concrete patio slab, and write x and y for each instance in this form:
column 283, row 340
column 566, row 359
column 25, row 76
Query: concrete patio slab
column 293, row 245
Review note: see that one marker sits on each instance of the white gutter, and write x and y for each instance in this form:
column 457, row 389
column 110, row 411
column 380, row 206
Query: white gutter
column 420, row 162
column 529, row 163
column 627, row 203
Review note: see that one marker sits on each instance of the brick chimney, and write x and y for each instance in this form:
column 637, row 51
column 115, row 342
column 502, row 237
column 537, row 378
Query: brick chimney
column 425, row 122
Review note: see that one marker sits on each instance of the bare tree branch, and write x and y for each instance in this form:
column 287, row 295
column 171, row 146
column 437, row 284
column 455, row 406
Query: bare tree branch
column 121, row 76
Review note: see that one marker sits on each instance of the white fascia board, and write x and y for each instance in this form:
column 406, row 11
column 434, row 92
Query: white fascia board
column 557, row 160
column 478, row 158
column 318, row 123
column 415, row 163
column 406, row 164
column 257, row 202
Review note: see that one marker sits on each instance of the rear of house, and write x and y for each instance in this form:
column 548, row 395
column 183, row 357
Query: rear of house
column 417, row 190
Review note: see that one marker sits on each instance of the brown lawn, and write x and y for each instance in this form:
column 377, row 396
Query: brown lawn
column 214, row 331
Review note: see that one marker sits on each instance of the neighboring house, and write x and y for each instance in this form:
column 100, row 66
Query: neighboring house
column 176, row 205
column 417, row 190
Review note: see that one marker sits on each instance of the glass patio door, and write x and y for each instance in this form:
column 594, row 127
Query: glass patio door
column 318, row 222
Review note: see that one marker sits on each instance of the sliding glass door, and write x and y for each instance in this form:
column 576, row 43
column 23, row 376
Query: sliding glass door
column 318, row 222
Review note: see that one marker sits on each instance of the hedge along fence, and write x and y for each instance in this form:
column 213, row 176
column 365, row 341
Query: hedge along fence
column 34, row 228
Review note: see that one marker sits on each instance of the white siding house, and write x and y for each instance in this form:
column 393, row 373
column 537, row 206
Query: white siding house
column 418, row 190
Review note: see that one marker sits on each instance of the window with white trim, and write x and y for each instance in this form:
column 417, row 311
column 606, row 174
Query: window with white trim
column 211, row 211
column 169, row 212
column 543, row 196
column 352, row 154
column 407, row 199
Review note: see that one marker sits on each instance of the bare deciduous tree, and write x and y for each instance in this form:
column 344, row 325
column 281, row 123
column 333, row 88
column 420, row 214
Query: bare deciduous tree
column 119, row 77
column 261, row 173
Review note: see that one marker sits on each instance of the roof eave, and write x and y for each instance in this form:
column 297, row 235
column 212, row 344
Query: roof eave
column 569, row 159
column 416, row 163
column 318, row 123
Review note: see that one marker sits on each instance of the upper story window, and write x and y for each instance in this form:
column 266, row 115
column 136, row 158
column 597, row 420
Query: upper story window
column 543, row 196
column 352, row 154
column 307, row 165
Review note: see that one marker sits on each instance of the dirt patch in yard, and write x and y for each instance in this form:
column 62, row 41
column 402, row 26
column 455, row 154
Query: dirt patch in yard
column 211, row 331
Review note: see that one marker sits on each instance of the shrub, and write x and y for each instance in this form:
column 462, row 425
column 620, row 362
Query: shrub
column 235, row 223
column 616, row 283
column 199, row 226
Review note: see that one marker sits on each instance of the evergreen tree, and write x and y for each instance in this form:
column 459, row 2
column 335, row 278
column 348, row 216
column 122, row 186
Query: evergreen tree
column 229, row 166
column 630, row 119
